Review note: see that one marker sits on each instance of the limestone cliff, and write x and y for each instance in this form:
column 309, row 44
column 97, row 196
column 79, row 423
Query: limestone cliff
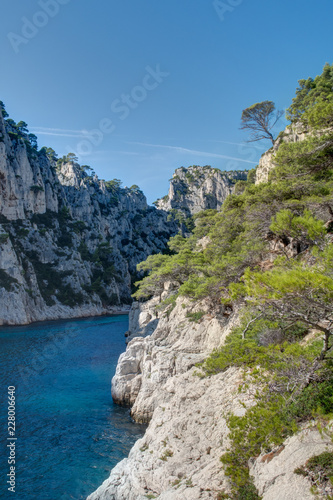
column 69, row 242
column 179, row 456
column 199, row 188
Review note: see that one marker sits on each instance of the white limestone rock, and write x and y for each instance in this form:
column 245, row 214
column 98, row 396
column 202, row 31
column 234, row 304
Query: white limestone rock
column 273, row 473
column 179, row 456
column 175, row 346
column 199, row 188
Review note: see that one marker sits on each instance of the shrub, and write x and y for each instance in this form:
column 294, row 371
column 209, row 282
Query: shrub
column 319, row 469
column 36, row 188
column 195, row 316
column 7, row 281
column 168, row 453
column 3, row 238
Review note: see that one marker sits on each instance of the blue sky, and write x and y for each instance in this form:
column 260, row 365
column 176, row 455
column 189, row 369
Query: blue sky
column 140, row 88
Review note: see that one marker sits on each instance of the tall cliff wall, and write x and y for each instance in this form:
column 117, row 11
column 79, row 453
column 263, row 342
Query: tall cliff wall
column 69, row 242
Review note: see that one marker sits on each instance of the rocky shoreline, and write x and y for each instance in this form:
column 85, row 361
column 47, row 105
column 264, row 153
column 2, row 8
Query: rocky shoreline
column 179, row 456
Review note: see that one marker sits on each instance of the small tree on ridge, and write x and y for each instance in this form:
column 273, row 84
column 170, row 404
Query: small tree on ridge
column 260, row 118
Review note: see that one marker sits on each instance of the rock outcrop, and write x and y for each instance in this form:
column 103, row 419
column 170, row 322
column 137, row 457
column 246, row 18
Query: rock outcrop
column 292, row 133
column 199, row 188
column 179, row 456
column 175, row 346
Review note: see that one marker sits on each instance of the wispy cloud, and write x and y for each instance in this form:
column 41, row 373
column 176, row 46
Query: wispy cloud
column 251, row 145
column 60, row 132
column 193, row 151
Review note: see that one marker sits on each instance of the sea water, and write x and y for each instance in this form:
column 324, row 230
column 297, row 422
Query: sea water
column 69, row 434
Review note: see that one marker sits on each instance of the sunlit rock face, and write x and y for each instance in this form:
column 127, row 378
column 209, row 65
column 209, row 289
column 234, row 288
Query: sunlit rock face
column 199, row 188
column 69, row 242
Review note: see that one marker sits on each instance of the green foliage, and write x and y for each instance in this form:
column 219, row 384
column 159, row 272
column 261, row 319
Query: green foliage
column 22, row 127
column 33, row 141
column 294, row 290
column 51, row 283
column 113, row 185
column 36, row 188
column 304, row 227
column 178, row 216
column 240, row 187
column 135, row 189
column 103, row 272
column 318, row 464
column 235, row 236
column 313, row 103
column 13, row 136
column 85, row 168
column 7, row 281
column 281, row 369
column 78, row 226
column 49, row 152
column 85, row 254
column 71, row 158
column 307, row 164
column 3, row 238
column 319, row 469
column 265, row 342
column 47, row 219
column 251, row 176
column 166, row 455
column 65, row 239
column 3, row 110
column 195, row 316
column 64, row 215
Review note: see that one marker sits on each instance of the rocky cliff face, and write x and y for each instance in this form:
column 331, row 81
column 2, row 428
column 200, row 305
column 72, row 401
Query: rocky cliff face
column 175, row 346
column 179, row 456
column 199, row 188
column 69, row 242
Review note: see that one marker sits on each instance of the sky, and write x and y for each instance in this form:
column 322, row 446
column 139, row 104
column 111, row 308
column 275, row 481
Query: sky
column 139, row 88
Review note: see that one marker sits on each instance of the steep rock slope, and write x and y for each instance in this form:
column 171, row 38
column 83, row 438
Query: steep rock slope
column 179, row 456
column 175, row 346
column 69, row 242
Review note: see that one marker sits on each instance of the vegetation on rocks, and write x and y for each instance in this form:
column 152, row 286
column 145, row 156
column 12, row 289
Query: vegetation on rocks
column 319, row 469
column 269, row 252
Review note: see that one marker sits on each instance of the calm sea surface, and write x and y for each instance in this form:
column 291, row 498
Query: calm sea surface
column 69, row 433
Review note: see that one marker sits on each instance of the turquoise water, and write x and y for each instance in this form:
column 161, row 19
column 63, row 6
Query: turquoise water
column 69, row 432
